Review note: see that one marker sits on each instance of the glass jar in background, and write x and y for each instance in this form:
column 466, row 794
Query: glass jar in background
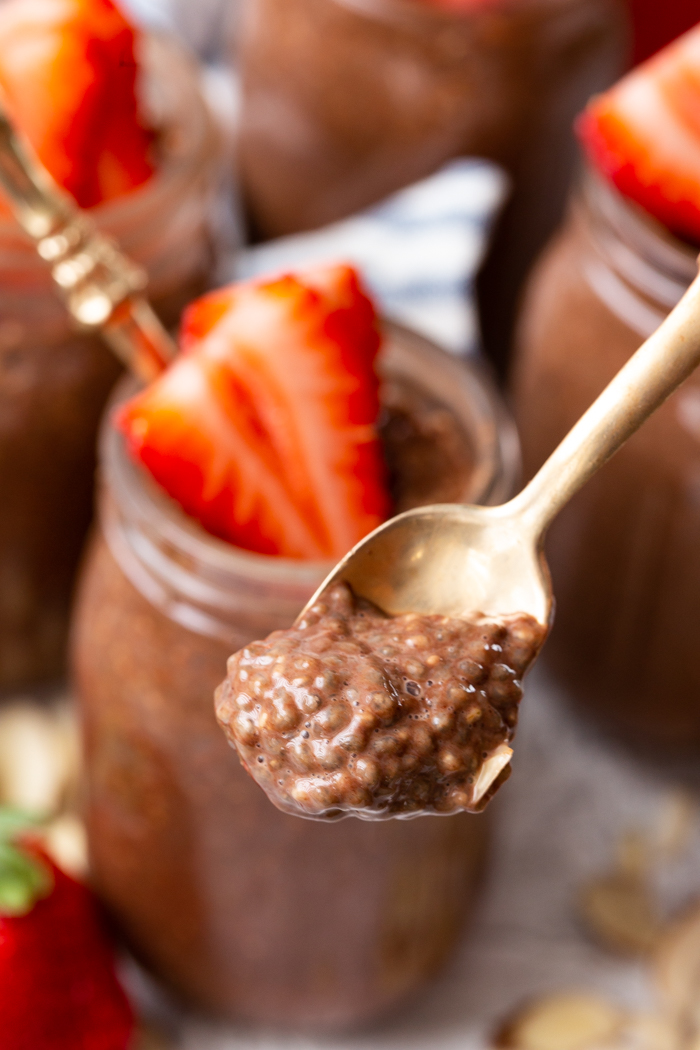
column 54, row 381
column 625, row 553
column 345, row 101
column 247, row 911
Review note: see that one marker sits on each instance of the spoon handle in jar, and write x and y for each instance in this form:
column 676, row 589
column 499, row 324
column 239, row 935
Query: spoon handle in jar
column 657, row 368
column 100, row 287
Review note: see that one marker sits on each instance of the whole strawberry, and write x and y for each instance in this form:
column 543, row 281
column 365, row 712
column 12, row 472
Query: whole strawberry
column 58, row 988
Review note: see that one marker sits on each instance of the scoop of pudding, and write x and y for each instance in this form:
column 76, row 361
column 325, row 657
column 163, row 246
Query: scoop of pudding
column 351, row 712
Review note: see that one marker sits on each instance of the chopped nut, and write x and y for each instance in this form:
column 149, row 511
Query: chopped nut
column 634, row 854
column 65, row 840
column 618, row 909
column 38, row 757
column 490, row 769
column 677, row 969
column 652, row 1032
column 676, row 822
column 567, row 1021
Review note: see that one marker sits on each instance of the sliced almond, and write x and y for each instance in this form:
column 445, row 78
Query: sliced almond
column 634, row 854
column 652, row 1032
column 619, row 911
column 675, row 824
column 32, row 761
column 677, row 968
column 69, row 742
column 65, row 839
column 492, row 767
column 568, row 1021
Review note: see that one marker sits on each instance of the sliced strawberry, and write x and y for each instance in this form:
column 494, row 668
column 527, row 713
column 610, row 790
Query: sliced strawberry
column 264, row 429
column 203, row 314
column 68, row 77
column 644, row 135
column 197, row 432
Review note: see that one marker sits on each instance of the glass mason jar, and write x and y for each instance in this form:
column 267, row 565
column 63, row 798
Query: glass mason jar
column 54, row 381
column 345, row 101
column 244, row 910
column 625, row 553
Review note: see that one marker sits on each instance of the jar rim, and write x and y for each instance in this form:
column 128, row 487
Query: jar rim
column 637, row 227
column 144, row 525
column 632, row 263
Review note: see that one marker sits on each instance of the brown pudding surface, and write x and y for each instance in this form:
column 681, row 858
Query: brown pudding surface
column 354, row 712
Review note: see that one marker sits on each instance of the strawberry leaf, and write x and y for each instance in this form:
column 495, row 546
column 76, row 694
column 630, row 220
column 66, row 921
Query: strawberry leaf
column 24, row 877
column 14, row 821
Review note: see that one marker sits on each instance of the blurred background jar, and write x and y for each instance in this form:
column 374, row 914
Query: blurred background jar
column 654, row 25
column 54, row 381
column 345, row 101
column 625, row 554
column 244, row 910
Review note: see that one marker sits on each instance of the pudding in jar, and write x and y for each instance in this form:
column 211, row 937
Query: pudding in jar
column 247, row 911
column 54, row 380
column 624, row 555
column 346, row 101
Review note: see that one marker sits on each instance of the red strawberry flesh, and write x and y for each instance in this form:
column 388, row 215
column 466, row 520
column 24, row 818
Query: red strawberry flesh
column 644, row 136
column 58, row 986
column 68, row 77
column 264, row 429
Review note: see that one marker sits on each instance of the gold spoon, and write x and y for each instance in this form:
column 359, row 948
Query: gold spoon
column 454, row 560
column 102, row 289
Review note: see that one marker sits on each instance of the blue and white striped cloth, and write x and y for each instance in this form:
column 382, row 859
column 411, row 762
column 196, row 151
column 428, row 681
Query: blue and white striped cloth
column 419, row 251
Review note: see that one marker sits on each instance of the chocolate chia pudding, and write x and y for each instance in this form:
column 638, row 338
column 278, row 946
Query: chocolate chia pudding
column 346, row 101
column 352, row 712
column 245, row 910
column 54, row 381
column 624, row 554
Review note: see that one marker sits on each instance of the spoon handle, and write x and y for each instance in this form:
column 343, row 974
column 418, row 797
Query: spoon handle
column 100, row 287
column 639, row 388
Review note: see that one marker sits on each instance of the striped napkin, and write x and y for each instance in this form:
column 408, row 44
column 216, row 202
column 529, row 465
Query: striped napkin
column 419, row 250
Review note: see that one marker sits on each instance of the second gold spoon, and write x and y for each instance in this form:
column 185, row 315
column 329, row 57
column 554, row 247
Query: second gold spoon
column 102, row 289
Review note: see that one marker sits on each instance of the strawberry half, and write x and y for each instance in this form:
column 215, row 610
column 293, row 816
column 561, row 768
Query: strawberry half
column 58, row 987
column 644, row 135
column 264, row 429
column 68, row 77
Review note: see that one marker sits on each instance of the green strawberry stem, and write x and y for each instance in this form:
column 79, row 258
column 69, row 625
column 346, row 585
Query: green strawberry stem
column 24, row 878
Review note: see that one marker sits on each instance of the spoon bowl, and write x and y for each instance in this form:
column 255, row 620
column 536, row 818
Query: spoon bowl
column 453, row 560
column 456, row 560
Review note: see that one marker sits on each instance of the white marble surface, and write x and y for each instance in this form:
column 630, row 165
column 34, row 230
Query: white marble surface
column 557, row 822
